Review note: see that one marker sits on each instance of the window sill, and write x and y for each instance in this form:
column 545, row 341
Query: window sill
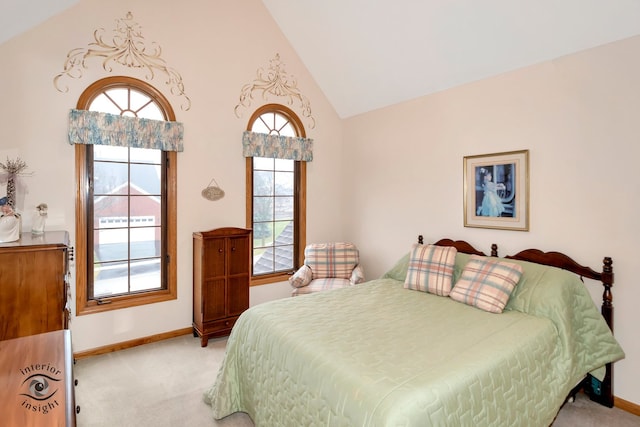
column 272, row 278
column 116, row 303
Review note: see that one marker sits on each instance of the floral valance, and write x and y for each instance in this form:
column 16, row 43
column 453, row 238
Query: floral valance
column 93, row 127
column 275, row 146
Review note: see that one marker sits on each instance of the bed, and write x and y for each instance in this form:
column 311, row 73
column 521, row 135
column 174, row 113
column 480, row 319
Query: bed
column 385, row 354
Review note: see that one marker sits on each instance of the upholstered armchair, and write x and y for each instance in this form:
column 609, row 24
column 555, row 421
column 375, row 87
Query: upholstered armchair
column 327, row 266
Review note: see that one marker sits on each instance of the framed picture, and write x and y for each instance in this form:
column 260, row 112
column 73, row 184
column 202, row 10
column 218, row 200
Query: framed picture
column 496, row 190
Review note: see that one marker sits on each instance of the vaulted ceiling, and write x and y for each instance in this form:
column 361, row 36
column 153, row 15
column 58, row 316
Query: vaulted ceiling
column 368, row 54
column 17, row 16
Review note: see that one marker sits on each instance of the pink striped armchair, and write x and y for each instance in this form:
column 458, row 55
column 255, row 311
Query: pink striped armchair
column 327, row 266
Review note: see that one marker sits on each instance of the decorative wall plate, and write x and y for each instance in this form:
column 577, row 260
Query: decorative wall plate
column 213, row 192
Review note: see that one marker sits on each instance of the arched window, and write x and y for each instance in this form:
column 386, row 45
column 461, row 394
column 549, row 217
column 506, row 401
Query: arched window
column 276, row 200
column 125, row 207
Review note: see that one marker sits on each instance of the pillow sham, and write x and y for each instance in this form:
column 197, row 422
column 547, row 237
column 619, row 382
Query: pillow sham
column 399, row 270
column 486, row 283
column 431, row 269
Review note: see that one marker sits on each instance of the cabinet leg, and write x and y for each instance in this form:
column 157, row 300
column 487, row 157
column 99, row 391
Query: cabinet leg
column 204, row 341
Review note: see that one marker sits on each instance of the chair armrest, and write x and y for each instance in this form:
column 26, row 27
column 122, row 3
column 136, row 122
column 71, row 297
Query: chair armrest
column 302, row 277
column 357, row 275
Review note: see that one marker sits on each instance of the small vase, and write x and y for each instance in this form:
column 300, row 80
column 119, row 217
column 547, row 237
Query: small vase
column 11, row 191
column 38, row 225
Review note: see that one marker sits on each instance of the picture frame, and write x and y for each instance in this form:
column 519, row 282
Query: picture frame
column 496, row 190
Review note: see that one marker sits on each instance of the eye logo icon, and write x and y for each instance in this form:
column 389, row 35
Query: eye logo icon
column 40, row 387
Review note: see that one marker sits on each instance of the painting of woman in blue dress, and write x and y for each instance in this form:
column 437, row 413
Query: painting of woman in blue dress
column 495, row 197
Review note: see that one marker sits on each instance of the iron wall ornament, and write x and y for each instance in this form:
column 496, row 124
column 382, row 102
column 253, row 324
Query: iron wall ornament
column 126, row 47
column 275, row 81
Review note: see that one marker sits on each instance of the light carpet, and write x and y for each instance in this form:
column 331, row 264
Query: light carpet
column 161, row 384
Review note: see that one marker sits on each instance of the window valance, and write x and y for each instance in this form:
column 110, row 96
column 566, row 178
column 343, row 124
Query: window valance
column 275, row 146
column 93, row 127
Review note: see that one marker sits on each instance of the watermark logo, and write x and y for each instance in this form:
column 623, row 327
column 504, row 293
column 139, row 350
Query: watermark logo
column 39, row 387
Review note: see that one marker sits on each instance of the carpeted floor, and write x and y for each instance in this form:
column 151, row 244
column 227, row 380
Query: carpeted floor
column 161, row 384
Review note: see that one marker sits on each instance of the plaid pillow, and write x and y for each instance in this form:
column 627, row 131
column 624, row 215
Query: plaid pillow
column 486, row 283
column 302, row 277
column 357, row 275
column 431, row 269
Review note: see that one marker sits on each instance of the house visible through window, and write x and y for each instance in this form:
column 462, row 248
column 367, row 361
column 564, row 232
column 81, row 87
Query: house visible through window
column 128, row 207
column 126, row 251
column 276, row 211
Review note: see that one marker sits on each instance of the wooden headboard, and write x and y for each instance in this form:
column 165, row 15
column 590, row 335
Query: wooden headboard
column 560, row 260
column 460, row 245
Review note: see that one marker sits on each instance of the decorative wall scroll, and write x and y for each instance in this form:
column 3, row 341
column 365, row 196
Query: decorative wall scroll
column 127, row 48
column 277, row 82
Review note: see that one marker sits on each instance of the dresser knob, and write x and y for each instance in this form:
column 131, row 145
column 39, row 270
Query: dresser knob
column 76, row 382
column 78, row 409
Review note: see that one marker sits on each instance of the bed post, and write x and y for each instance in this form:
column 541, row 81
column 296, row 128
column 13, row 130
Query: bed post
column 603, row 392
column 607, row 298
column 494, row 250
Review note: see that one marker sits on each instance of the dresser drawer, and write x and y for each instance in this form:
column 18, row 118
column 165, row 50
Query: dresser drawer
column 220, row 325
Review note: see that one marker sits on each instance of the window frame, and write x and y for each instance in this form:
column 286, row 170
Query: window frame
column 300, row 199
column 84, row 305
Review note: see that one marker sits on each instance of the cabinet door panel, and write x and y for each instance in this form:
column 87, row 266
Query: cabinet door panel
column 214, row 258
column 213, row 301
column 238, row 295
column 238, row 255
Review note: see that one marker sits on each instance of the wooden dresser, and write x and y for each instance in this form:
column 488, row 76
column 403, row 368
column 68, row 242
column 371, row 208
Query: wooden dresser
column 34, row 274
column 36, row 373
column 221, row 276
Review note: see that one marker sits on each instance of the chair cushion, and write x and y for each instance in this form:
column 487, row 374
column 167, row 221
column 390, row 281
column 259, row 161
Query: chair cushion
column 319, row 285
column 331, row 259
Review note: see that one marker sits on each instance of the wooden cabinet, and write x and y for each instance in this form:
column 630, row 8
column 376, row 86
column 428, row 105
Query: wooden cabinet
column 37, row 381
column 34, row 284
column 221, row 275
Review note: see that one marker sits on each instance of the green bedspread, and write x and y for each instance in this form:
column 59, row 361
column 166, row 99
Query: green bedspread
column 377, row 354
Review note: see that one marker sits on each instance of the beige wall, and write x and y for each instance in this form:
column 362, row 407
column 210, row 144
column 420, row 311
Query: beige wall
column 217, row 47
column 398, row 173
column 578, row 116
